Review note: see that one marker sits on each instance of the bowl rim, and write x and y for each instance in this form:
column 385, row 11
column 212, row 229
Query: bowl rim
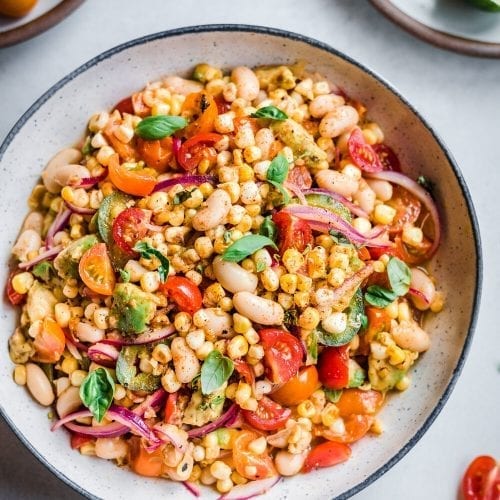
column 280, row 33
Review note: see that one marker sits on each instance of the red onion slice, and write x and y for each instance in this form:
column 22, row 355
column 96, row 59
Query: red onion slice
column 420, row 295
column 73, row 350
column 225, row 419
column 192, row 488
column 103, row 354
column 59, row 223
column 352, row 283
column 134, row 422
column 251, row 489
column 296, row 191
column 185, row 180
column 47, row 255
column 341, row 199
column 167, row 434
column 144, row 338
column 88, row 182
column 80, row 210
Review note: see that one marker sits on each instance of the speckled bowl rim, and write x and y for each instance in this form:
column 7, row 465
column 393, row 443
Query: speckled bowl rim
column 191, row 30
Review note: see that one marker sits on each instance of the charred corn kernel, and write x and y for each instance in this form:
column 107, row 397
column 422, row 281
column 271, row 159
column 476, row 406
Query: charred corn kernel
column 183, row 322
column 236, row 214
column 252, row 336
column 301, row 299
column 231, row 391
column 100, row 317
column 20, row 375
column 258, row 446
column 169, row 381
column 157, row 201
column 336, row 277
column 22, row 282
column 220, row 470
column 237, row 347
column 288, row 282
column 309, row 318
column 69, row 365
column 214, row 293
column 306, row 409
column 195, row 473
column 243, row 393
column 378, row 350
column 324, row 241
column 150, row 281
column 316, row 263
column 241, row 324
column 236, row 235
column 251, row 155
column 329, row 414
column 162, row 354
column 245, row 224
column 404, row 313
column 269, row 280
column 412, row 236
column 77, row 377
column 256, row 351
column 262, row 259
column 396, row 355
column 205, row 350
column 120, row 392
column 204, row 247
column 293, row 260
column 403, row 384
column 438, row 303
column 253, row 210
column 224, row 485
column 384, row 214
column 338, row 260
column 195, row 277
column 285, row 300
column 304, row 283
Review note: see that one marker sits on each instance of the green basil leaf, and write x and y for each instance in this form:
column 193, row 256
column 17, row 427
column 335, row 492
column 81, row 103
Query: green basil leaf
column 43, row 270
column 282, row 190
column 268, row 228
column 181, row 197
column 216, row 370
column 159, row 126
column 278, row 170
column 399, row 276
column 333, row 395
column 246, row 246
column 312, row 348
column 379, row 297
column 271, row 112
column 97, row 392
column 148, row 252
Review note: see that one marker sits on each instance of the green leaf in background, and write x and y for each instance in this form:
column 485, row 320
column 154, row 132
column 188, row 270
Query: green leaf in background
column 97, row 392
column 268, row 228
column 489, row 5
column 380, row 297
column 216, row 370
column 159, row 126
column 43, row 270
column 399, row 276
column 270, row 112
column 148, row 252
column 246, row 246
column 278, row 170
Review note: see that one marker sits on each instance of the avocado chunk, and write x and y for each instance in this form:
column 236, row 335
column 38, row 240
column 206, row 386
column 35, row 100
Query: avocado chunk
column 66, row 263
column 203, row 409
column 382, row 375
column 126, row 370
column 132, row 308
column 328, row 203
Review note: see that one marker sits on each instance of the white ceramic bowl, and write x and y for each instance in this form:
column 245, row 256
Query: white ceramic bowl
column 58, row 119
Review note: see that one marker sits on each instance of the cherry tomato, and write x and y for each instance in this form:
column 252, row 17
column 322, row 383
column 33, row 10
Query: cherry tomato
column 125, row 106
column 245, row 371
column 171, row 409
column 378, row 321
column 301, row 177
column 356, row 426
column 298, row 388
column 412, row 255
column 282, row 354
column 246, row 461
column 362, row 153
column 14, row 298
column 197, row 148
column 222, row 105
column 356, row 401
column 407, row 208
column 481, row 480
column 326, row 454
column 333, row 367
column 183, row 292
column 387, row 157
column 78, row 440
column 202, row 109
column 156, row 154
column 137, row 182
column 96, row 270
column 268, row 416
column 50, row 342
column 143, row 462
column 292, row 232
column 128, row 228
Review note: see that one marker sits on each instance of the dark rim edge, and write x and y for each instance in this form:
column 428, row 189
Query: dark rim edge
column 325, row 47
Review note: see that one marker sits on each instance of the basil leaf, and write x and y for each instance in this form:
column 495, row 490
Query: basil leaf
column 271, row 112
column 399, row 276
column 278, row 170
column 216, row 370
column 312, row 348
column 379, row 297
column 97, row 391
column 43, row 270
column 268, row 228
column 148, row 252
column 181, row 197
column 125, row 275
column 159, row 126
column 246, row 246
column 333, row 395
column 339, row 238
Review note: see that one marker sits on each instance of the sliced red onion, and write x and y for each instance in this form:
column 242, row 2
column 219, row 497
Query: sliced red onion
column 47, row 255
column 225, row 419
column 103, row 354
column 59, row 223
column 185, row 180
column 341, row 199
column 69, row 418
column 419, row 192
column 144, row 338
column 192, row 488
column 133, row 421
column 166, row 433
column 73, row 350
column 296, row 191
column 72, row 340
column 80, row 210
column 251, row 489
column 88, row 182
column 352, row 283
column 420, row 295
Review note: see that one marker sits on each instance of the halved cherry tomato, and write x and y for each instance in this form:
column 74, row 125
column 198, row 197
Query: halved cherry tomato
column 301, row 177
column 268, row 416
column 407, row 208
column 246, row 461
column 171, row 409
column 143, row 462
column 156, row 154
column 14, row 298
column 183, row 292
column 326, row 454
column 78, row 440
column 333, row 367
column 128, row 228
column 298, row 388
column 125, row 106
column 356, row 401
column 378, row 321
column 282, row 354
column 292, row 232
column 362, row 153
column 202, row 109
column 412, row 255
column 222, row 105
column 137, row 182
column 356, row 426
column 197, row 148
column 50, row 342
column 481, row 480
column 387, row 157
column 244, row 370
column 96, row 270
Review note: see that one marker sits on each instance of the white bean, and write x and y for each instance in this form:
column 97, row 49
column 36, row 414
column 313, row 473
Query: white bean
column 28, row 241
column 39, row 385
column 186, row 363
column 421, row 282
column 111, row 448
column 409, row 335
column 383, row 189
column 233, row 277
column 33, row 221
column 247, row 83
column 324, row 104
column 214, row 321
column 218, row 206
column 67, row 156
column 63, row 175
column 69, row 401
column 258, row 309
column 340, row 120
column 365, row 196
column 337, row 182
column 89, row 333
column 289, row 464
column 178, row 85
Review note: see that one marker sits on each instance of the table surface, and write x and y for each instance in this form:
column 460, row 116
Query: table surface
column 460, row 97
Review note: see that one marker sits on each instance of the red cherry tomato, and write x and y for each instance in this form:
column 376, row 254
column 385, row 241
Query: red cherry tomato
column 183, row 292
column 14, row 298
column 326, row 454
column 171, row 408
column 222, row 105
column 49, row 342
column 96, row 271
column 298, row 388
column 156, row 154
column 362, row 153
column 202, row 110
column 139, row 182
column 197, row 148
column 358, row 402
column 282, row 354
column 249, row 464
column 128, row 228
column 292, row 232
column 333, row 367
column 125, row 106
column 481, row 480
column 144, row 462
column 78, row 440
column 356, row 426
column 387, row 157
column 245, row 371
column 268, row 416
column 301, row 177
column 407, row 208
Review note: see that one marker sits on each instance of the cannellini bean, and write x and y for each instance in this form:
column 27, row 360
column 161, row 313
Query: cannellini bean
column 289, row 464
column 247, row 83
column 218, row 206
column 178, row 85
column 28, row 241
column 214, row 321
column 365, row 196
column 324, row 104
column 63, row 175
column 39, row 385
column 337, row 182
column 184, row 467
column 69, row 401
column 340, row 120
column 258, row 309
column 233, row 277
column 186, row 363
column 110, row 448
column 408, row 335
column 33, row 221
column 382, row 189
column 67, row 156
column 89, row 333
column 421, row 282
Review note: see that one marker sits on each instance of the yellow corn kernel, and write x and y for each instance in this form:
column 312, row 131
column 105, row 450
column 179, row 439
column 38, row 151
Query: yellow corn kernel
column 77, row 377
column 336, row 277
column 438, row 303
column 288, row 283
column 269, row 279
column 107, row 188
column 245, row 224
column 243, row 393
column 224, row 485
column 285, row 300
column 403, row 384
column 329, row 414
column 412, row 236
column 160, row 108
column 253, row 210
column 392, row 310
column 293, row 260
column 370, row 136
column 256, row 351
column 183, row 322
column 241, row 324
column 361, row 224
column 231, row 391
column 69, row 365
column 238, row 479
column 249, row 404
column 22, row 282
column 301, row 299
column 404, row 313
column 384, row 214
column 309, row 318
column 214, row 293
column 20, row 375
column 245, row 173
column 237, row 347
column 306, row 409
column 304, row 283
column 212, row 452
column 252, row 336
column 220, row 470
column 378, row 266
column 67, row 194
column 396, row 355
column 258, row 446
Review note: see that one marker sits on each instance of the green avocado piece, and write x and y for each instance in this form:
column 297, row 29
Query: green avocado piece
column 357, row 375
column 203, row 409
column 324, row 201
column 382, row 375
column 66, row 263
column 126, row 370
